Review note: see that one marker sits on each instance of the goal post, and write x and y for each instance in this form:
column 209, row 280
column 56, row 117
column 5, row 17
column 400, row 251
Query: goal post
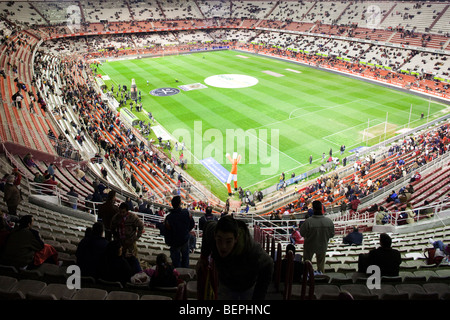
column 377, row 133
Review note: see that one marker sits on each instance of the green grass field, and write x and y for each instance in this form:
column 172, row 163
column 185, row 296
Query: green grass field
column 302, row 111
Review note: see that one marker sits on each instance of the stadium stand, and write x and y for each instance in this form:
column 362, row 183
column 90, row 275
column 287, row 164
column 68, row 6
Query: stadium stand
column 44, row 59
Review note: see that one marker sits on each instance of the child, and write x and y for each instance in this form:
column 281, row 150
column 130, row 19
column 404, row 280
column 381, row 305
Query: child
column 164, row 275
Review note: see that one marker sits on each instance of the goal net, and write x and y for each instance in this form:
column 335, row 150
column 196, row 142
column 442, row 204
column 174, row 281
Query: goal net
column 377, row 133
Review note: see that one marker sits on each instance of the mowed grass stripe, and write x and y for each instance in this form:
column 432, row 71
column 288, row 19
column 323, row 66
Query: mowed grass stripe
column 235, row 101
column 246, row 100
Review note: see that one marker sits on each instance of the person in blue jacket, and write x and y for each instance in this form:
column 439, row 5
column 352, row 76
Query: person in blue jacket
column 355, row 237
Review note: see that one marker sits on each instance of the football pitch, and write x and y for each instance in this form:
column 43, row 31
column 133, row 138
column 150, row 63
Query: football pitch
column 274, row 113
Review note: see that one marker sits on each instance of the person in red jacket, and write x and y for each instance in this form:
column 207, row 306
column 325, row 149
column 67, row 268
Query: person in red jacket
column 296, row 237
column 50, row 184
column 355, row 203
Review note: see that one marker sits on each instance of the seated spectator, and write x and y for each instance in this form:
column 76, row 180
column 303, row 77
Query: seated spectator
column 5, row 230
column 385, row 257
column 161, row 212
column 298, row 265
column 382, row 217
column 28, row 160
column 114, row 266
column 246, row 209
column 3, row 182
column 353, row 238
column 402, row 217
column 296, row 237
column 393, row 197
column 410, row 188
column 147, row 209
column 50, row 184
column 24, row 247
column 415, row 177
column 427, row 211
column 441, row 250
column 38, row 177
column 90, row 250
column 164, row 274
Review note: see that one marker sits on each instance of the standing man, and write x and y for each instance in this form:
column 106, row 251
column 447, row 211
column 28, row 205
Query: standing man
column 106, row 212
column 127, row 228
column 12, row 195
column 73, row 197
column 310, row 159
column 51, row 170
column 233, row 173
column 178, row 224
column 316, row 230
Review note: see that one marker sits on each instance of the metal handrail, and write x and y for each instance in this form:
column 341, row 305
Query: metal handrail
column 92, row 207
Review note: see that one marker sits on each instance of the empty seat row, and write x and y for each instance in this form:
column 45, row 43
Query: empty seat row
column 19, row 289
column 13, row 289
column 411, row 291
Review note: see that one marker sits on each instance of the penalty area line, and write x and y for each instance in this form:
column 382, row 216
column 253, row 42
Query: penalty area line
column 306, row 114
column 276, row 149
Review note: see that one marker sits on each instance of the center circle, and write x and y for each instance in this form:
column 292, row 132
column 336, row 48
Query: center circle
column 231, row 81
